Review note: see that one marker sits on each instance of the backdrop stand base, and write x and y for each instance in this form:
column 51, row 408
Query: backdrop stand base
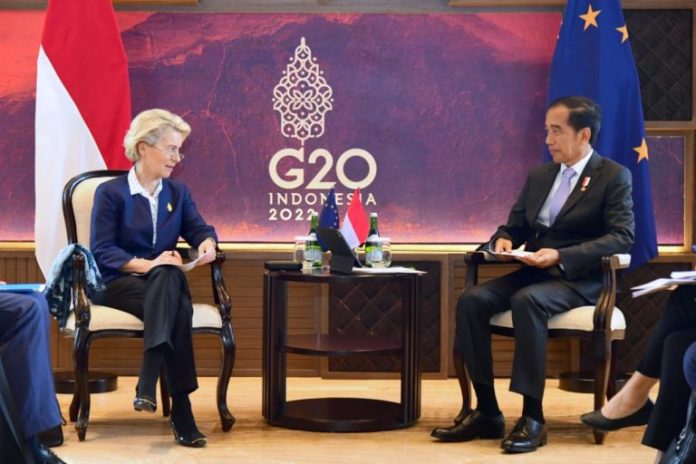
column 99, row 382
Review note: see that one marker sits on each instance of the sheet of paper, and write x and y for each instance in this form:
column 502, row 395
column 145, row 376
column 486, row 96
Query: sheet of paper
column 387, row 270
column 191, row 264
column 513, row 253
column 683, row 274
column 660, row 284
column 186, row 266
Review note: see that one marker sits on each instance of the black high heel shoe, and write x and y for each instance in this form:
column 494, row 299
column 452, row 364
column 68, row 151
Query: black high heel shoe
column 192, row 439
column 143, row 402
column 596, row 419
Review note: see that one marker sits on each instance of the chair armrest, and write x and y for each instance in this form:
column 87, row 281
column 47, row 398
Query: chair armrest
column 604, row 308
column 620, row 261
column 186, row 251
column 80, row 301
column 222, row 298
column 482, row 257
column 474, row 259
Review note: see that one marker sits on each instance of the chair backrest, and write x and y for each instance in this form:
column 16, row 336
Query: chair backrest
column 78, row 198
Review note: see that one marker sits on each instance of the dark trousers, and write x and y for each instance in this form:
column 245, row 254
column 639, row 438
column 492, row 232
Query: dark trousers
column 534, row 296
column 161, row 299
column 690, row 366
column 663, row 359
column 26, row 359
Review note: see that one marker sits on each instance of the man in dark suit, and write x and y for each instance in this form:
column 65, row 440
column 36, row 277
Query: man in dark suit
column 569, row 214
column 26, row 360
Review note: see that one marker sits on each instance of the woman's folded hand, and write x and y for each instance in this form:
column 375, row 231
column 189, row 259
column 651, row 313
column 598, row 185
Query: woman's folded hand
column 167, row 257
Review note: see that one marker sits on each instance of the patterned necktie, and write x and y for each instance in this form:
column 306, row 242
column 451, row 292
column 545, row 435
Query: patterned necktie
column 561, row 195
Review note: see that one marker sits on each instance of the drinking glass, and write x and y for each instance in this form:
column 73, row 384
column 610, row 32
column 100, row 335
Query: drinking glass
column 299, row 248
column 384, row 256
column 386, row 251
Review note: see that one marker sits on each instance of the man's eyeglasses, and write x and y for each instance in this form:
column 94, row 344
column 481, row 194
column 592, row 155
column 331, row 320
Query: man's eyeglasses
column 173, row 152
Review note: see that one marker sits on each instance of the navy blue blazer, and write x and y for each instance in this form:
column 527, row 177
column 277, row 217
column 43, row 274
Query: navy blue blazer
column 122, row 224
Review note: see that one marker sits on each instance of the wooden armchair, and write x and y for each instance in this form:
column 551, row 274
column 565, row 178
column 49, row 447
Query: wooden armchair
column 602, row 324
column 88, row 322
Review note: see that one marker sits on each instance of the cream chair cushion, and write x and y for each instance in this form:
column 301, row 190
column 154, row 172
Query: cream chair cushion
column 107, row 318
column 82, row 202
column 579, row 318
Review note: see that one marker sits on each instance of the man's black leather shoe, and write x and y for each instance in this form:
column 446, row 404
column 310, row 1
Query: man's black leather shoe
column 526, row 436
column 46, row 456
column 52, row 437
column 461, row 416
column 473, row 425
column 596, row 420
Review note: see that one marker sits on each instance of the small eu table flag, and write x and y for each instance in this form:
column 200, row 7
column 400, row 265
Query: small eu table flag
column 328, row 217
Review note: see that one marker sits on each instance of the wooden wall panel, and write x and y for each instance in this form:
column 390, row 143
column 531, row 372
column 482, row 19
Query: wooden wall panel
column 243, row 275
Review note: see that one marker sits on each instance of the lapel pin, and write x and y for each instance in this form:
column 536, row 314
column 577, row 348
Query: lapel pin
column 585, row 183
column 170, row 208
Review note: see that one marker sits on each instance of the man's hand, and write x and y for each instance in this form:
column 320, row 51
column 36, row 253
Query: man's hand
column 503, row 245
column 546, row 257
column 206, row 250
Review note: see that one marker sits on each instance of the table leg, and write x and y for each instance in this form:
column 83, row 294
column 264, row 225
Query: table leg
column 410, row 362
column 274, row 365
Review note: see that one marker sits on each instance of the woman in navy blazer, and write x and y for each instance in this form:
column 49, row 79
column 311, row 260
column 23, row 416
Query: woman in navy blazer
column 137, row 220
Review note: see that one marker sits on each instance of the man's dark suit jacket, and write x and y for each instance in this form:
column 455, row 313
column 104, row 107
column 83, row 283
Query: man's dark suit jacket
column 595, row 221
column 122, row 224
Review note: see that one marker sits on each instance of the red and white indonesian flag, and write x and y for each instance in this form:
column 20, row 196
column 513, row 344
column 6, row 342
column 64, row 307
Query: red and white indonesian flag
column 82, row 108
column 355, row 225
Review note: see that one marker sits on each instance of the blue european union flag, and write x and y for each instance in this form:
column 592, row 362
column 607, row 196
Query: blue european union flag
column 328, row 218
column 593, row 58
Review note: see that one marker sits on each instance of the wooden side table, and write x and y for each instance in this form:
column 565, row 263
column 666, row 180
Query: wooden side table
column 338, row 414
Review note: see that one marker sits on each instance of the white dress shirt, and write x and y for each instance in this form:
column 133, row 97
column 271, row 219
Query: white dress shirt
column 137, row 189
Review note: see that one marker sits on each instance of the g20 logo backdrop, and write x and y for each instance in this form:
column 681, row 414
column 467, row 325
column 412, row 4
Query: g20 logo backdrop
column 418, row 110
column 303, row 97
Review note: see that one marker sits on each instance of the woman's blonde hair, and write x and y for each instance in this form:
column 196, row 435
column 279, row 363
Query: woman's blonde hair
column 148, row 126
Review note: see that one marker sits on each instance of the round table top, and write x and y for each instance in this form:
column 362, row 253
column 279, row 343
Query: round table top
column 324, row 276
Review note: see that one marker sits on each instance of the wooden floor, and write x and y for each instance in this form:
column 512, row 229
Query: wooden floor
column 117, row 434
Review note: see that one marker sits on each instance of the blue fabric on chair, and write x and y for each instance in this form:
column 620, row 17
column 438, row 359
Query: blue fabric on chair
column 60, row 281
